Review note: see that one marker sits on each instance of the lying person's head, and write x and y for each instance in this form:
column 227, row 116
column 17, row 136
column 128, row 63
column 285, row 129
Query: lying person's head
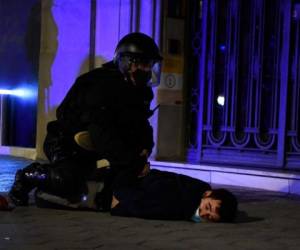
column 218, row 205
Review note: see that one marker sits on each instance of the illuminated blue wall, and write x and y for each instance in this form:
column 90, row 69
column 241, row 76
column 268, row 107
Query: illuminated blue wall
column 72, row 19
column 19, row 54
column 74, row 36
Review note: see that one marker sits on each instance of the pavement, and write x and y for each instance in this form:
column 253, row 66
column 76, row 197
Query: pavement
column 266, row 220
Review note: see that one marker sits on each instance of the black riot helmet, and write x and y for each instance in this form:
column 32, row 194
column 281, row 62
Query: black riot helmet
column 138, row 48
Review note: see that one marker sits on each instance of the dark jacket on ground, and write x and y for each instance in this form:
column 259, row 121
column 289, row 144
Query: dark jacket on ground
column 159, row 195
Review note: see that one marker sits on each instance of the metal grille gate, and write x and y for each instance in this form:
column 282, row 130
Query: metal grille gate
column 245, row 98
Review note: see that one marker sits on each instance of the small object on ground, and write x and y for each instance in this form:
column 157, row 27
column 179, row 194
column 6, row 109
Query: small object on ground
column 4, row 204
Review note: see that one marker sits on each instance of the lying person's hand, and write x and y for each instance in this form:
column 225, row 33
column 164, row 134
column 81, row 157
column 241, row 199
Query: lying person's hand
column 145, row 171
column 114, row 202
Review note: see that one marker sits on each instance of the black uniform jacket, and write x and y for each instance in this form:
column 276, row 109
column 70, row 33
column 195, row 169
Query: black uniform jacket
column 113, row 110
column 159, row 195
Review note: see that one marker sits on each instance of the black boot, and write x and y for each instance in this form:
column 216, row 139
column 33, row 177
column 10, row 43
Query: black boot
column 26, row 180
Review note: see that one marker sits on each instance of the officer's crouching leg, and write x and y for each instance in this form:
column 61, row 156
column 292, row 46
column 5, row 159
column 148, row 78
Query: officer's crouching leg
column 65, row 182
column 27, row 179
column 59, row 180
column 86, row 202
column 61, row 190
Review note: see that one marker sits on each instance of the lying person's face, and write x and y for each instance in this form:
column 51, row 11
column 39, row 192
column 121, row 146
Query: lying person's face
column 209, row 208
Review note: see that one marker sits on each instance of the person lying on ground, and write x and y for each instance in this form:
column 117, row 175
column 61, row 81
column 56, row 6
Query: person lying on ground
column 154, row 194
column 171, row 196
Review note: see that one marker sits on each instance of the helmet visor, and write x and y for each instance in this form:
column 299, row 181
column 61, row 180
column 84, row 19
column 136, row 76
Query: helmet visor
column 126, row 61
column 149, row 65
column 156, row 72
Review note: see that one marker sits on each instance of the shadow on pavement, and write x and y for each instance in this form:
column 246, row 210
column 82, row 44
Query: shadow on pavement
column 242, row 217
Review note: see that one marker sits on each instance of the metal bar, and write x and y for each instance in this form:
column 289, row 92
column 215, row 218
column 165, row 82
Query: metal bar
column 1, row 118
column 93, row 17
column 285, row 41
column 202, row 78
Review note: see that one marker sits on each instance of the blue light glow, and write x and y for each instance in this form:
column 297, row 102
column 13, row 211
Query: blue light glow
column 21, row 92
column 222, row 47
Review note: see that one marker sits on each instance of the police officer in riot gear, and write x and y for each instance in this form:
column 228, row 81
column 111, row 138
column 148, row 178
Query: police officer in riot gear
column 112, row 105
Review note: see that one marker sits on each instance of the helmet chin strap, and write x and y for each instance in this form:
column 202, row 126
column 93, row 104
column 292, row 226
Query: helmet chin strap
column 135, row 75
column 141, row 77
column 128, row 77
